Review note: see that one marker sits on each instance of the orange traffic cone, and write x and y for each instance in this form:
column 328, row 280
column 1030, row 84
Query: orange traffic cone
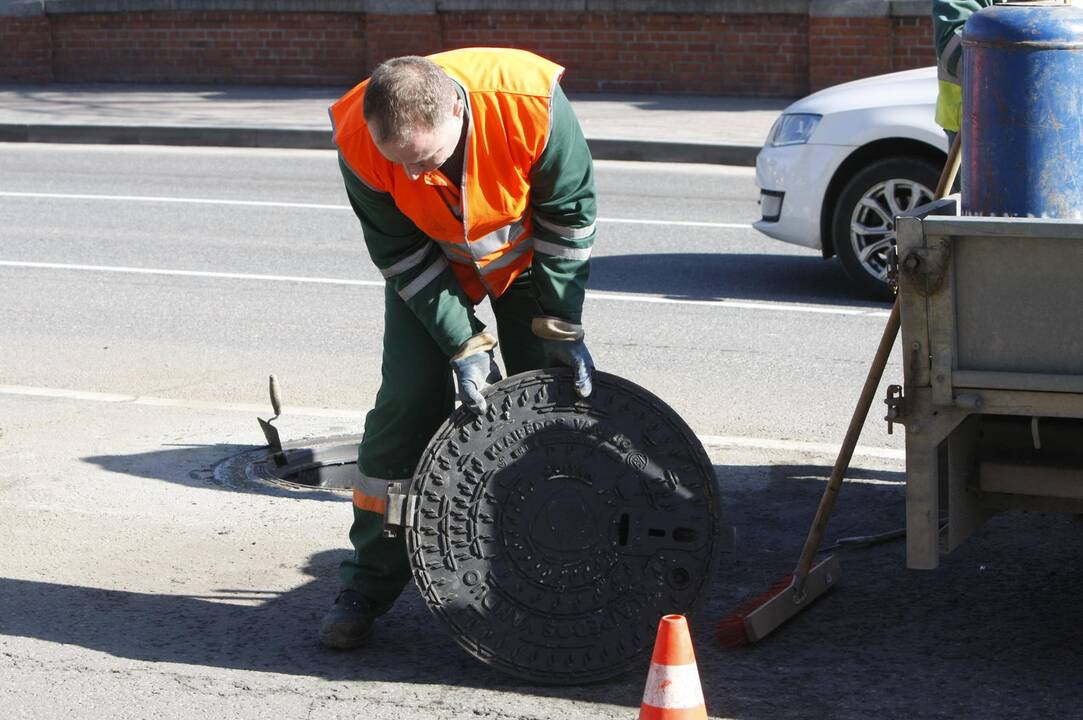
column 673, row 691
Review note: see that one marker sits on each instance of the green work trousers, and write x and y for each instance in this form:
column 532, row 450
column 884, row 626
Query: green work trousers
column 416, row 395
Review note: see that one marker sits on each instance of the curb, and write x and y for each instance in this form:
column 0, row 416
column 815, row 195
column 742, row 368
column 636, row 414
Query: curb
column 164, row 135
column 601, row 149
column 655, row 151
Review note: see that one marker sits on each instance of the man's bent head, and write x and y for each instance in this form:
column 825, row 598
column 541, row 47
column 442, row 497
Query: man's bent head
column 414, row 113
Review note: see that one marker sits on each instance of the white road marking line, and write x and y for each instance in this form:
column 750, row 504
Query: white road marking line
column 161, row 199
column 682, row 223
column 715, row 441
column 734, row 441
column 592, row 294
column 740, row 304
column 191, row 273
column 318, row 206
column 65, row 394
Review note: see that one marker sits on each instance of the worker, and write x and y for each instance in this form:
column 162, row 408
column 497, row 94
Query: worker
column 949, row 17
column 471, row 178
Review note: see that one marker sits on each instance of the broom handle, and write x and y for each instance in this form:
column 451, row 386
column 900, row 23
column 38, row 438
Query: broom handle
column 951, row 169
column 864, row 402
column 846, row 452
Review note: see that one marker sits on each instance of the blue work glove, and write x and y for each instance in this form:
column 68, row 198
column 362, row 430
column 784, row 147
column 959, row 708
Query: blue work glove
column 563, row 344
column 475, row 369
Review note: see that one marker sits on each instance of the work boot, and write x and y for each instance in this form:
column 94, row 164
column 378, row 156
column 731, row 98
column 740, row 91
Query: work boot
column 348, row 624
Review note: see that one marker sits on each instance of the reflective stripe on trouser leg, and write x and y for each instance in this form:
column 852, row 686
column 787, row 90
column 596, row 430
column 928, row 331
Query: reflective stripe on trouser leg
column 370, row 493
column 416, row 396
column 520, row 348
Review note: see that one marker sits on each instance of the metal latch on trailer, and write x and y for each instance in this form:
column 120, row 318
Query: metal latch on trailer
column 926, row 266
column 894, row 402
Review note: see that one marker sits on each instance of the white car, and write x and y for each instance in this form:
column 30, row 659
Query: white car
column 840, row 164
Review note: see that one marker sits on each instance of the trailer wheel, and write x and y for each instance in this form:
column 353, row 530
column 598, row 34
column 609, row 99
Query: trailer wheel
column 863, row 222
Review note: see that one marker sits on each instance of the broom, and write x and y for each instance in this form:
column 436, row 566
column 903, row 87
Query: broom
column 761, row 615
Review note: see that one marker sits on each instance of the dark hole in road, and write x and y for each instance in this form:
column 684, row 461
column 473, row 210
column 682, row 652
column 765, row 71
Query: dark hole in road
column 319, row 463
column 335, row 474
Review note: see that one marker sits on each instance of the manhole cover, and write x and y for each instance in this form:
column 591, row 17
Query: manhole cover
column 321, row 463
column 551, row 534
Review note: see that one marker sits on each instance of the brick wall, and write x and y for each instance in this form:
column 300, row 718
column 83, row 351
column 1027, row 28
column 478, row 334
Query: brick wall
column 780, row 48
column 208, row 47
column 26, row 54
column 652, row 52
column 842, row 49
column 389, row 36
column 913, row 46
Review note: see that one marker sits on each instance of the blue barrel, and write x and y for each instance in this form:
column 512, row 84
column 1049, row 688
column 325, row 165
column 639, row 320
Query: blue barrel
column 1022, row 122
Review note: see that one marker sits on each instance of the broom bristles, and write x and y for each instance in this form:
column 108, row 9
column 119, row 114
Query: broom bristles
column 731, row 631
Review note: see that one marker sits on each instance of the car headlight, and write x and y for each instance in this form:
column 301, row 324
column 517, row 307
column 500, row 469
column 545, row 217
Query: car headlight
column 792, row 129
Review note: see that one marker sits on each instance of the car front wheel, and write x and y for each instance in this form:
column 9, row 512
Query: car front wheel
column 863, row 223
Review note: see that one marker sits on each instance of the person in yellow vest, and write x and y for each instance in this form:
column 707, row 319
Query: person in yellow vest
column 949, row 17
column 472, row 179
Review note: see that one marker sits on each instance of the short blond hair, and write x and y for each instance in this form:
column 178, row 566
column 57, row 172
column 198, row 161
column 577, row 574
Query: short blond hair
column 406, row 94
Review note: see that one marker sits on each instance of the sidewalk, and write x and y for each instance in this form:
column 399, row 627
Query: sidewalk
column 618, row 127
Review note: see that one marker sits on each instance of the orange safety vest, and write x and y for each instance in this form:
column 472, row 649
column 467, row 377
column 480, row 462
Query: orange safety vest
column 483, row 226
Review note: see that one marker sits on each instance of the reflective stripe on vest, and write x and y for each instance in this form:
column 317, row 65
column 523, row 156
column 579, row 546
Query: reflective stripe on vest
column 484, row 226
column 512, row 256
column 496, row 241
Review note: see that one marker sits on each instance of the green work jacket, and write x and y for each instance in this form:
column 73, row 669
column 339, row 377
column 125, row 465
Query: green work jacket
column 561, row 191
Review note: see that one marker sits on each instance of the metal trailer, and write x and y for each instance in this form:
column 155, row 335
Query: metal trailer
column 993, row 367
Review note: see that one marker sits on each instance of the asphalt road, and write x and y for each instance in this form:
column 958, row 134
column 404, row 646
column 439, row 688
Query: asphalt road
column 146, row 293
column 743, row 335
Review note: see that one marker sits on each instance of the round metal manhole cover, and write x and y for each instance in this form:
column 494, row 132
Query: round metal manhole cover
column 552, row 533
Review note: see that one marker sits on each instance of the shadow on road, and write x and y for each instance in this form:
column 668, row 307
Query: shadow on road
column 994, row 633
column 713, row 276
column 175, row 465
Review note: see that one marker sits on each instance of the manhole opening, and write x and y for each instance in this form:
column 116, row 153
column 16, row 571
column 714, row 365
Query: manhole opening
column 320, row 463
column 336, row 474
